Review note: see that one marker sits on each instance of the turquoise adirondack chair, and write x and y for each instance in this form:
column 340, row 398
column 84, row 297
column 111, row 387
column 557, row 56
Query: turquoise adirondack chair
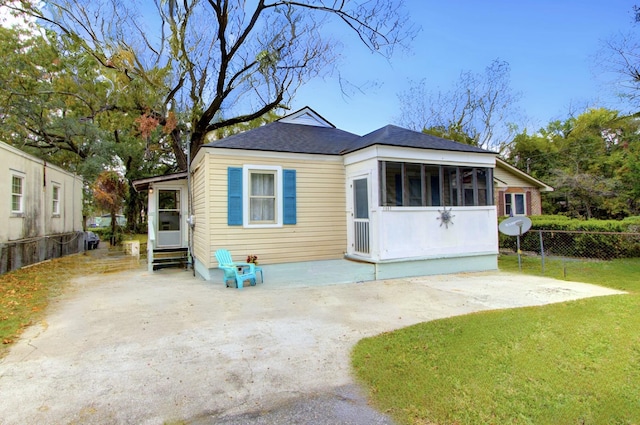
column 236, row 271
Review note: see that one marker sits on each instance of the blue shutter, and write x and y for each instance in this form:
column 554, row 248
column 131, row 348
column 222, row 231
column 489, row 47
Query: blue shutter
column 234, row 196
column 289, row 196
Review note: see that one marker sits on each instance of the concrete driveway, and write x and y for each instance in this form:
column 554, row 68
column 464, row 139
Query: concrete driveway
column 165, row 347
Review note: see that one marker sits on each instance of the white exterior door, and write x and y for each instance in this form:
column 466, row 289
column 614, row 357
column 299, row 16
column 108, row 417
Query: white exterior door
column 169, row 218
column 360, row 215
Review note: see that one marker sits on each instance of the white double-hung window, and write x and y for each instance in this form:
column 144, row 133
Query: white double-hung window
column 55, row 200
column 263, row 195
column 17, row 193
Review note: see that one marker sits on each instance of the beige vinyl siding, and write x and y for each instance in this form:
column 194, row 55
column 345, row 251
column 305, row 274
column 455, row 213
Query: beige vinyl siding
column 320, row 231
column 510, row 179
column 199, row 198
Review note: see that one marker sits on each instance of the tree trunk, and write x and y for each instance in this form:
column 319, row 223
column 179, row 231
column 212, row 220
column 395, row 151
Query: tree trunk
column 112, row 239
column 181, row 156
column 132, row 210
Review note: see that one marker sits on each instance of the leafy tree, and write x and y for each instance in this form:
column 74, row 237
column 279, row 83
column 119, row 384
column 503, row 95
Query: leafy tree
column 454, row 133
column 476, row 111
column 109, row 193
column 35, row 113
column 589, row 159
column 536, row 154
column 219, row 63
column 628, row 172
column 59, row 103
column 585, row 193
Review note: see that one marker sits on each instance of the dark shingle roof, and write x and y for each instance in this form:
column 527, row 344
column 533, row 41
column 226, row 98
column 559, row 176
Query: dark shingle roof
column 297, row 138
column 392, row 135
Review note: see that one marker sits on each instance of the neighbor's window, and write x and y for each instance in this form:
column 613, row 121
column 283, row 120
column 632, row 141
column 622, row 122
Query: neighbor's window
column 262, row 197
column 17, row 194
column 408, row 184
column 55, row 196
column 514, row 204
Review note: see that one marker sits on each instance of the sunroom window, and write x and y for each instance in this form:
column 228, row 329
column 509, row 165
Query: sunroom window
column 411, row 184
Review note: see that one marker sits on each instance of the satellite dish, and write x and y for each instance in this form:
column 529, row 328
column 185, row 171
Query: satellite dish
column 515, row 226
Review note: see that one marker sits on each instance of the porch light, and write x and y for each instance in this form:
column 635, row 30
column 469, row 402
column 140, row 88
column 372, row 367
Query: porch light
column 150, row 191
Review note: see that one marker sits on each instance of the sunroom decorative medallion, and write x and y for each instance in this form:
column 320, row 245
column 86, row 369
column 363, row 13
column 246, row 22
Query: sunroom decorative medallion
column 445, row 217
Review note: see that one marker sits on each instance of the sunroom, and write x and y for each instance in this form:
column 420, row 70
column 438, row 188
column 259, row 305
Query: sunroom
column 416, row 211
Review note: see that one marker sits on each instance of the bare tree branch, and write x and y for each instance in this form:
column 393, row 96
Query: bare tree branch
column 476, row 111
column 221, row 62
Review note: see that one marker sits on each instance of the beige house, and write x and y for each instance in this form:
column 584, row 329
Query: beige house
column 319, row 204
column 42, row 212
column 516, row 192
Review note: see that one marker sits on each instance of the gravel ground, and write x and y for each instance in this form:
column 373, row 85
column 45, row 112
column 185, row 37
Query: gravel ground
column 165, row 347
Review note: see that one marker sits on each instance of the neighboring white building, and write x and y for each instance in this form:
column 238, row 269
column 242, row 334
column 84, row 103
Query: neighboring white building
column 42, row 211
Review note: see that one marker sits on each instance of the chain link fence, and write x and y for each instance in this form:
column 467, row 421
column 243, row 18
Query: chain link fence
column 570, row 247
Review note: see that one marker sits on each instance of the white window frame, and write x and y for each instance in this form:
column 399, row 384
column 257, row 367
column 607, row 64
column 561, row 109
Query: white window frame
column 55, row 201
column 247, row 170
column 20, row 210
column 513, row 195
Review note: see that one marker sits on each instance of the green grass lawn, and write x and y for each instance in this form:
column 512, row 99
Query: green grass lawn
column 568, row 363
column 142, row 238
column 621, row 274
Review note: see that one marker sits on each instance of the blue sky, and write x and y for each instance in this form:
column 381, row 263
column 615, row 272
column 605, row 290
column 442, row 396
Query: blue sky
column 550, row 46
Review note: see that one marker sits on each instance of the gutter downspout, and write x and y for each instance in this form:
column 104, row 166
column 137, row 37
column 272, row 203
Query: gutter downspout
column 43, row 203
column 190, row 222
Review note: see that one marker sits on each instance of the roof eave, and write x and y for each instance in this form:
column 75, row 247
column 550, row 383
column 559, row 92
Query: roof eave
column 143, row 184
column 543, row 186
column 348, row 151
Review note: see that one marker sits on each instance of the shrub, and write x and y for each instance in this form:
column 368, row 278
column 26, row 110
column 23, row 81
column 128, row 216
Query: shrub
column 603, row 239
column 106, row 236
